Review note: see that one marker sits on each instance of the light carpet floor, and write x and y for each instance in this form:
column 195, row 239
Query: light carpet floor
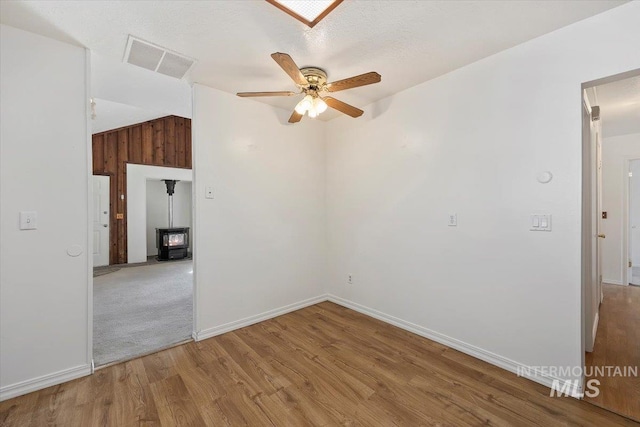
column 141, row 309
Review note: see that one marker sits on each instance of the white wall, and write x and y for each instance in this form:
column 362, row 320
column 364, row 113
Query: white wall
column 469, row 142
column 261, row 240
column 614, row 151
column 158, row 209
column 472, row 142
column 44, row 167
column 127, row 84
column 137, row 176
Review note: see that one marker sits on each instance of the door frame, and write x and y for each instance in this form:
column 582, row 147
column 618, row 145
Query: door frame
column 587, row 191
column 626, row 220
column 89, row 165
column 89, row 211
column 589, row 227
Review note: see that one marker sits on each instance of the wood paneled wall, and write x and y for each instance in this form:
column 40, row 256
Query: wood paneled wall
column 161, row 142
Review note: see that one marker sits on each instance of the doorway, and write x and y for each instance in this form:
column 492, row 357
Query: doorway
column 142, row 302
column 611, row 306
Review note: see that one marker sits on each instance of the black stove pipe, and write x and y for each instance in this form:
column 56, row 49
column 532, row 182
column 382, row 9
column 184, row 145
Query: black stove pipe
column 171, row 188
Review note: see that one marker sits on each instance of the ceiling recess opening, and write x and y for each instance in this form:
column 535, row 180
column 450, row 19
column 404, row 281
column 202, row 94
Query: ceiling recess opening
column 309, row 12
column 156, row 58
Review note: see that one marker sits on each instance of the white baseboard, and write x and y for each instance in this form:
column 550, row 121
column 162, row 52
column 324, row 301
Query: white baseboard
column 237, row 324
column 44, row 381
column 24, row 387
column 479, row 353
column 612, row 282
column 588, row 346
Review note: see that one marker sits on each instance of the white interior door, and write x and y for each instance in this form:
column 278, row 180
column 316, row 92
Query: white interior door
column 599, row 227
column 100, row 220
column 589, row 228
column 634, row 221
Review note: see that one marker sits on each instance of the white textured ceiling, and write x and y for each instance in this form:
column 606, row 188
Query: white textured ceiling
column 113, row 115
column 619, row 106
column 407, row 42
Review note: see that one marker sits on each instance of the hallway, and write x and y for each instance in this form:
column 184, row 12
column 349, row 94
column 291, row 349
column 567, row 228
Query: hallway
column 618, row 344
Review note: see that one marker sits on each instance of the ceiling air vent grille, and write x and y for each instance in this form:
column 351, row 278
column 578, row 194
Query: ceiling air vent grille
column 156, row 58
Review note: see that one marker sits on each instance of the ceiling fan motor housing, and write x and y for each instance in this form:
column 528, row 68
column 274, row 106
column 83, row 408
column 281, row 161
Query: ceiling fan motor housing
column 316, row 77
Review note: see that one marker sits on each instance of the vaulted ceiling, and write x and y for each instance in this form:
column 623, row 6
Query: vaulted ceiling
column 408, row 42
column 113, row 115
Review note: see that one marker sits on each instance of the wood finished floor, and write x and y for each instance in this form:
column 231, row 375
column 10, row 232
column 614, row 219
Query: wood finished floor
column 323, row 365
column 618, row 344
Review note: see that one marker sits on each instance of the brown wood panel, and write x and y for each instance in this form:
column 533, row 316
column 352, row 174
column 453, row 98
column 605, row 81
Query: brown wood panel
column 110, row 165
column 170, row 141
column 135, row 144
column 188, row 145
column 161, row 142
column 324, row 365
column 158, row 142
column 121, row 182
column 181, row 159
column 110, row 152
column 98, row 154
column 147, row 143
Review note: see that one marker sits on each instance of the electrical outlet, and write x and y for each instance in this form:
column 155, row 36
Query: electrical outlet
column 350, row 279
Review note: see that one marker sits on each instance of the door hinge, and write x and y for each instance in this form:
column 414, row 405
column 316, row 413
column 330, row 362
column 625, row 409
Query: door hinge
column 630, row 264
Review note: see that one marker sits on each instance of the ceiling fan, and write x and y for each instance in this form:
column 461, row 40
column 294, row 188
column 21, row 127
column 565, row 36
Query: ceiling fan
column 312, row 82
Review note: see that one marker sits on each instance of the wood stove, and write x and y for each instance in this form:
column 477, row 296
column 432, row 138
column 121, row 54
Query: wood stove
column 172, row 242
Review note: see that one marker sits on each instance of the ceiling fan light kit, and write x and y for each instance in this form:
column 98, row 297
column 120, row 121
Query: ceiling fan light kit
column 312, row 82
column 304, row 105
column 319, row 105
column 312, row 106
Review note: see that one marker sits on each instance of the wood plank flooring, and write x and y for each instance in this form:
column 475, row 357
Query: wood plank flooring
column 324, row 365
column 618, row 344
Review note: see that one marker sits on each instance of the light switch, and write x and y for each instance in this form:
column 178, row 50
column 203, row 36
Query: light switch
column 208, row 192
column 453, row 220
column 540, row 222
column 28, row 220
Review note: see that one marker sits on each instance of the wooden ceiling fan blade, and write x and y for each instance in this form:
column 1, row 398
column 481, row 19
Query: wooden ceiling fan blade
column 355, row 81
column 343, row 107
column 295, row 117
column 290, row 68
column 251, row 94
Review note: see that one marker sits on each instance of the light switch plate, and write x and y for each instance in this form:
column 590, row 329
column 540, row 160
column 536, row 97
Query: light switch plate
column 453, row 220
column 208, row 192
column 540, row 222
column 28, row 220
